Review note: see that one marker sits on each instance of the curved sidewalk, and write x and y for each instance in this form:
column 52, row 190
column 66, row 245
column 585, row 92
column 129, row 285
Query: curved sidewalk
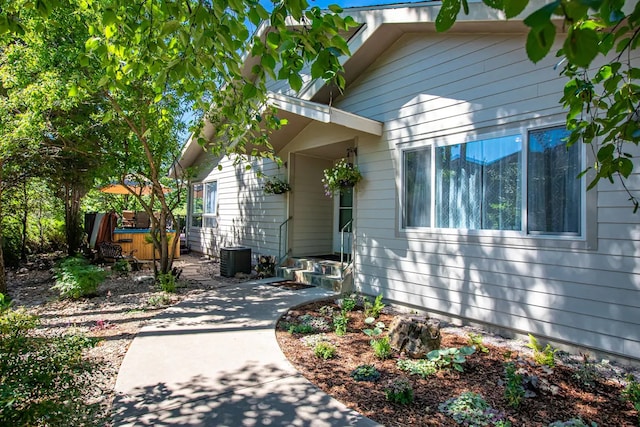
column 214, row 361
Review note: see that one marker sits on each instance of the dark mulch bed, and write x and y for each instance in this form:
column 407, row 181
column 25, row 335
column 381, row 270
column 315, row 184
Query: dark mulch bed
column 483, row 373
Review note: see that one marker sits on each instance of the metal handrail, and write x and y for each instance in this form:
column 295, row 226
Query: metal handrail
column 281, row 257
column 342, row 231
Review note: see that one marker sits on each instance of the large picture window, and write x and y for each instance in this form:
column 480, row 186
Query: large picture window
column 203, row 204
column 478, row 185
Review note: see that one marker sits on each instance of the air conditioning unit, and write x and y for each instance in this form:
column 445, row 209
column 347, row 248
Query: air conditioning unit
column 235, row 260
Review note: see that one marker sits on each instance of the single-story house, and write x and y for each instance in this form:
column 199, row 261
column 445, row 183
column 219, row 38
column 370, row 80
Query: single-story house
column 469, row 206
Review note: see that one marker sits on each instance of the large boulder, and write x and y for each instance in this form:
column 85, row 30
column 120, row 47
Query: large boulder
column 415, row 336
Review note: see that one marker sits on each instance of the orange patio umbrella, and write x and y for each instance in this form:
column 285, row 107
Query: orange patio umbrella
column 136, row 187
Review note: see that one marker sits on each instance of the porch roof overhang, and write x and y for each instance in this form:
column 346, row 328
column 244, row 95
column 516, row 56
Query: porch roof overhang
column 300, row 113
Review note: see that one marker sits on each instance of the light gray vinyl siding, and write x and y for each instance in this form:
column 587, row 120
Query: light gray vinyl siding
column 430, row 87
column 245, row 215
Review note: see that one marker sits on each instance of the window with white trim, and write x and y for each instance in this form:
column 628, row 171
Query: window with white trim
column 203, row 204
column 479, row 185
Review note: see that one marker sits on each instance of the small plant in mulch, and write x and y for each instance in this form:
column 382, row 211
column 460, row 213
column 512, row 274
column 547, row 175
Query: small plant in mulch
column 421, row 367
column 631, row 393
column 307, row 324
column 399, row 390
column 381, row 348
column 587, row 372
column 573, row 422
column 340, row 322
column 312, row 340
column 544, row 356
column 373, row 309
column 470, row 409
column 450, row 358
column 159, row 300
column 376, row 330
column 365, row 373
column 523, row 381
column 475, row 340
column 325, row 350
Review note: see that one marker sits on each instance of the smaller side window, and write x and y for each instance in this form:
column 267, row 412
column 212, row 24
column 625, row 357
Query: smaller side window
column 554, row 191
column 203, row 204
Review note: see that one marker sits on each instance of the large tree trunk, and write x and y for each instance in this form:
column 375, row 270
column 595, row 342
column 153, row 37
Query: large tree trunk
column 73, row 223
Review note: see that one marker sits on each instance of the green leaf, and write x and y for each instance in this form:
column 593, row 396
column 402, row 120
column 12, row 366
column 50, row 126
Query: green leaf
column 605, row 152
column 295, row 81
column 73, row 91
column 273, row 40
column 541, row 17
column 109, row 17
column 169, row 27
column 513, row 8
column 447, row 15
column 539, row 41
column 624, row 166
column 249, row 91
column 581, row 46
column 465, row 7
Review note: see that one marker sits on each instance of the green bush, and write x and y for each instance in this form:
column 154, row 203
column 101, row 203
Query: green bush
column 340, row 322
column 542, row 356
column 373, row 310
column 399, row 391
column 381, row 348
column 514, row 391
column 471, row 409
column 348, row 303
column 325, row 350
column 121, row 267
column 76, row 277
column 365, row 373
column 422, row 367
column 167, row 283
column 44, row 379
column 631, row 393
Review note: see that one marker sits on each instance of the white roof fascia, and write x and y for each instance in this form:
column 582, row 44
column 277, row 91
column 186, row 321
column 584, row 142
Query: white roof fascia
column 325, row 114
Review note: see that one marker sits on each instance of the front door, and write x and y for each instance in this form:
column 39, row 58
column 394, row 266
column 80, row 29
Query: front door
column 342, row 221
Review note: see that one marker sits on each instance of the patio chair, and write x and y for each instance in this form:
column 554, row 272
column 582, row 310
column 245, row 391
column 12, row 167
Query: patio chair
column 128, row 219
column 142, row 219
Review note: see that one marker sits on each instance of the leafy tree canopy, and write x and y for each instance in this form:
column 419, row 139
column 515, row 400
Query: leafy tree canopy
column 599, row 58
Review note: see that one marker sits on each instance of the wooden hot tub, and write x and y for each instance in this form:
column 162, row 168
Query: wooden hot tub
column 136, row 239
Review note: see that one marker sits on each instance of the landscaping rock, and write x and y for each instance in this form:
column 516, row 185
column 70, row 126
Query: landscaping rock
column 415, row 336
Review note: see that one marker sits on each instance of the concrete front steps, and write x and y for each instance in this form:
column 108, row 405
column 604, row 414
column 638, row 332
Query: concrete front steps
column 317, row 272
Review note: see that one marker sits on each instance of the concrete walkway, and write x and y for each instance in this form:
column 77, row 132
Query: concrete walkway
column 214, row 361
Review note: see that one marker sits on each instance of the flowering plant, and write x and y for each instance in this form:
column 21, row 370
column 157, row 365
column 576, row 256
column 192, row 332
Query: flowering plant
column 341, row 176
column 275, row 185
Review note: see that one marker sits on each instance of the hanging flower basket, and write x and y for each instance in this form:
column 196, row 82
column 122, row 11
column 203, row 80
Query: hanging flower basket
column 341, row 176
column 275, row 186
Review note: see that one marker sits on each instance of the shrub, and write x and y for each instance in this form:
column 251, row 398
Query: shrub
column 475, row 340
column 399, row 391
column 573, row 422
column 514, row 391
column 121, row 267
column 167, row 283
column 312, row 340
column 373, row 310
column 76, row 277
column 381, row 348
column 471, row 409
column 44, row 379
column 159, row 300
column 631, row 393
column 324, row 350
column 587, row 373
column 542, row 356
column 302, row 328
column 446, row 358
column 377, row 330
column 340, row 322
column 348, row 303
column 365, row 373
column 422, row 367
